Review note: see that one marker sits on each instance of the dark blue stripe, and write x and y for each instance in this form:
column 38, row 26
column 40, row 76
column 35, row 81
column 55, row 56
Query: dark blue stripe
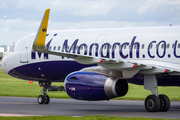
column 54, row 71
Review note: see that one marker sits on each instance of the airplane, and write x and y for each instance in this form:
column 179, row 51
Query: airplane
column 98, row 64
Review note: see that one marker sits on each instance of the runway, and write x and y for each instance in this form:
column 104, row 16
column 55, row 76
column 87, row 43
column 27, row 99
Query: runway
column 70, row 107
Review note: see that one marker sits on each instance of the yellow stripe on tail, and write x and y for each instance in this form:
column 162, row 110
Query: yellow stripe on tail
column 39, row 41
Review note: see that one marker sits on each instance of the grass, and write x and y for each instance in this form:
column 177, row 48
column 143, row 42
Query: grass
column 94, row 117
column 10, row 86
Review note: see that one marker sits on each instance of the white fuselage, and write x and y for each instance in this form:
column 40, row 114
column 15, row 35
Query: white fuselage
column 155, row 46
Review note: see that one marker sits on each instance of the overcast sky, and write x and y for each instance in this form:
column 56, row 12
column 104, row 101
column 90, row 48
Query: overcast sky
column 21, row 17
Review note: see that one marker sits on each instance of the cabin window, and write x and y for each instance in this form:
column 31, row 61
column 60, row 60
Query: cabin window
column 179, row 45
column 54, row 47
column 63, row 48
column 50, row 48
column 81, row 47
column 72, row 47
column 172, row 45
column 162, row 46
column 129, row 46
column 168, row 45
column 142, row 46
column 135, row 46
column 157, row 45
column 151, row 46
column 59, row 48
column 124, row 46
column 119, row 46
column 105, row 47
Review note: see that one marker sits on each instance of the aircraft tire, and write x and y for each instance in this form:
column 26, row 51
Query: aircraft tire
column 47, row 100
column 165, row 103
column 152, row 103
column 40, row 99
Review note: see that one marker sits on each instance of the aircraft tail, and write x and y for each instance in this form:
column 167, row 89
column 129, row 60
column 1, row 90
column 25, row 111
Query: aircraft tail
column 39, row 41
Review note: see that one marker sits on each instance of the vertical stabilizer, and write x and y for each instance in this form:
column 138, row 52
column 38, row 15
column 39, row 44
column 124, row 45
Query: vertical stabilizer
column 39, row 41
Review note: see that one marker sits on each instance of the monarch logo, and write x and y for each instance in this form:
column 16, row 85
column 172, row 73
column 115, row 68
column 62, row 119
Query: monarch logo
column 33, row 55
column 44, row 30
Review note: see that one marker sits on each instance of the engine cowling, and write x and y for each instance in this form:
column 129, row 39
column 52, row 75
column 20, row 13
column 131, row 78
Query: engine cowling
column 93, row 86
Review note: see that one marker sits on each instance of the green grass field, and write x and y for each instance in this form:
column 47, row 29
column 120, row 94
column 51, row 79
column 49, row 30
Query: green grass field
column 21, row 88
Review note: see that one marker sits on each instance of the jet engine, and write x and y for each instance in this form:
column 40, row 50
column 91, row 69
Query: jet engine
column 93, row 86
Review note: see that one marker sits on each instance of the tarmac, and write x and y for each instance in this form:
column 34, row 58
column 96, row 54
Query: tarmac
column 24, row 106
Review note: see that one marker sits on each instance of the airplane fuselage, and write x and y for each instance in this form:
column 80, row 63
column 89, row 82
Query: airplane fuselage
column 159, row 46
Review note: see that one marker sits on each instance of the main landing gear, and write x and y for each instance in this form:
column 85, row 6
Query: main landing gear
column 44, row 98
column 155, row 102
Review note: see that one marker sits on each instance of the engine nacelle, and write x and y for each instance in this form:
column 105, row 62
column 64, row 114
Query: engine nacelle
column 93, row 86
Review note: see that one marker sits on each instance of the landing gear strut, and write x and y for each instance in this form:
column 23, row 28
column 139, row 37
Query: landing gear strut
column 155, row 102
column 44, row 98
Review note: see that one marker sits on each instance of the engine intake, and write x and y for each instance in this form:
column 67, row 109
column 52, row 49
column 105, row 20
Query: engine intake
column 93, row 86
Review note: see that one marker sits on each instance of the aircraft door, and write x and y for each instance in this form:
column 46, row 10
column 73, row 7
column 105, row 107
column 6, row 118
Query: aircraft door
column 24, row 50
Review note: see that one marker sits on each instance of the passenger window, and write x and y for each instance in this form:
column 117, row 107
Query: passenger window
column 151, row 46
column 50, row 48
column 59, row 48
column 142, row 46
column 124, row 46
column 168, row 45
column 172, row 45
column 129, row 46
column 105, row 47
column 135, row 46
column 63, row 48
column 162, row 46
column 157, row 45
column 54, row 47
column 81, row 47
column 179, row 45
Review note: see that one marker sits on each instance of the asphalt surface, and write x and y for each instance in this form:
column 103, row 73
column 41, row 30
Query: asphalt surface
column 69, row 107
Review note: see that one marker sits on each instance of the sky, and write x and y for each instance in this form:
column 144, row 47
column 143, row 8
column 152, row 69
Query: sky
column 22, row 17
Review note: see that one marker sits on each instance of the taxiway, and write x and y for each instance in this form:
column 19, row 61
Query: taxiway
column 69, row 107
